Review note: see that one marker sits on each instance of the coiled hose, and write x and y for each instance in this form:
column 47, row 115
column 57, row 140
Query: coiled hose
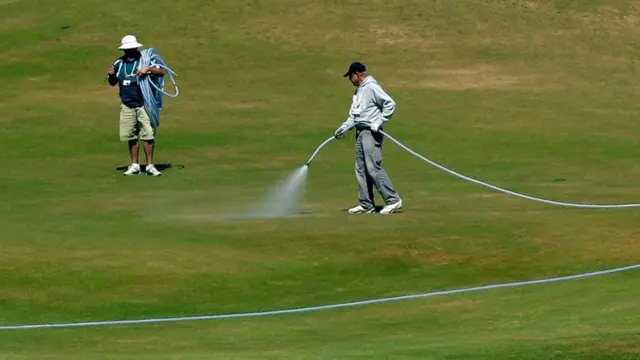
column 152, row 87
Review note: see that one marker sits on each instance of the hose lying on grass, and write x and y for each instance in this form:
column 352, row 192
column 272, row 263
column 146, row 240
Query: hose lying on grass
column 509, row 192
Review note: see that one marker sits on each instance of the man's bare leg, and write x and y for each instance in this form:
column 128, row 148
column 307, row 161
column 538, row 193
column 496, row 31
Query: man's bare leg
column 148, row 150
column 133, row 150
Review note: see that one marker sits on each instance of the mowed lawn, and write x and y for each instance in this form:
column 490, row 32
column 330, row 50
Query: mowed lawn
column 538, row 97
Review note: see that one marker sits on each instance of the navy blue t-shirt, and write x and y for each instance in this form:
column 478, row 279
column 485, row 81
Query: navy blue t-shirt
column 130, row 93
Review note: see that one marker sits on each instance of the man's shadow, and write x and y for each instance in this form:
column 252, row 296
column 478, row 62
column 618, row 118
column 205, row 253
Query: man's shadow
column 160, row 167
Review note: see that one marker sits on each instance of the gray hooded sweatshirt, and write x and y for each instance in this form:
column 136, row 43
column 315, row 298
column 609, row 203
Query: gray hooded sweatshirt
column 370, row 104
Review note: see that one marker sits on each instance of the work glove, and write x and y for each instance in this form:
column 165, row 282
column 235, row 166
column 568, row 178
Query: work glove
column 376, row 126
column 339, row 134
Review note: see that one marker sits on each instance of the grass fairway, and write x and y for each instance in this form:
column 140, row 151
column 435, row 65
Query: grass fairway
column 536, row 96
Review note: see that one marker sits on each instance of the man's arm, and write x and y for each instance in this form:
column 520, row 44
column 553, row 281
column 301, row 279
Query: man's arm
column 354, row 112
column 153, row 70
column 384, row 102
column 111, row 74
column 349, row 123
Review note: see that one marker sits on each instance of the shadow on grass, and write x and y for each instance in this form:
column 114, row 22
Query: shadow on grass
column 160, row 167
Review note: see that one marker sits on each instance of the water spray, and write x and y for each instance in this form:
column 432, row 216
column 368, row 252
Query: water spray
column 284, row 199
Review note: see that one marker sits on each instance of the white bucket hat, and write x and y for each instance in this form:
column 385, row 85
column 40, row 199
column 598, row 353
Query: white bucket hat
column 129, row 42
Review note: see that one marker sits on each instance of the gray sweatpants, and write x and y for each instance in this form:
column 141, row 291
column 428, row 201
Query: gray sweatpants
column 369, row 171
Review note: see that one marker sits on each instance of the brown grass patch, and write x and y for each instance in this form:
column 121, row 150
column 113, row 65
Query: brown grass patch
column 15, row 23
column 617, row 246
column 155, row 270
column 291, row 24
column 175, row 260
column 438, row 257
column 478, row 77
column 609, row 19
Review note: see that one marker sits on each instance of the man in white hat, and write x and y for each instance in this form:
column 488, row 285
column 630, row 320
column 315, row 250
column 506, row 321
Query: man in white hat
column 134, row 121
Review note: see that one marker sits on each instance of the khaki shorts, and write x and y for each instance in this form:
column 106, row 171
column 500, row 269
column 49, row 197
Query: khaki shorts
column 135, row 124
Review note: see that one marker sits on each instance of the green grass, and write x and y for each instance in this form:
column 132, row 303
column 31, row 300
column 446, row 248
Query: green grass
column 536, row 96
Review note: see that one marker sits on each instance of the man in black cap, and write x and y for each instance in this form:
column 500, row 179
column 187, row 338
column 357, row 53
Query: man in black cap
column 370, row 109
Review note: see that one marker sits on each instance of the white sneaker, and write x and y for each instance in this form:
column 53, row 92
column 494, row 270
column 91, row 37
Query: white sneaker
column 360, row 210
column 392, row 208
column 151, row 170
column 133, row 169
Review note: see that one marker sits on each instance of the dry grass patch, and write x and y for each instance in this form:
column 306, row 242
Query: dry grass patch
column 17, row 23
column 439, row 257
column 291, row 25
column 477, row 77
column 134, row 271
column 175, row 261
column 610, row 19
column 597, row 246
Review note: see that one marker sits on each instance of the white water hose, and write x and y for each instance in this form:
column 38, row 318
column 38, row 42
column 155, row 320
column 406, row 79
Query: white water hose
column 509, row 192
column 152, row 87
column 315, row 153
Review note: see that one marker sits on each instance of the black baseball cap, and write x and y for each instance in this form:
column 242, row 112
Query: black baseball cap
column 356, row 67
